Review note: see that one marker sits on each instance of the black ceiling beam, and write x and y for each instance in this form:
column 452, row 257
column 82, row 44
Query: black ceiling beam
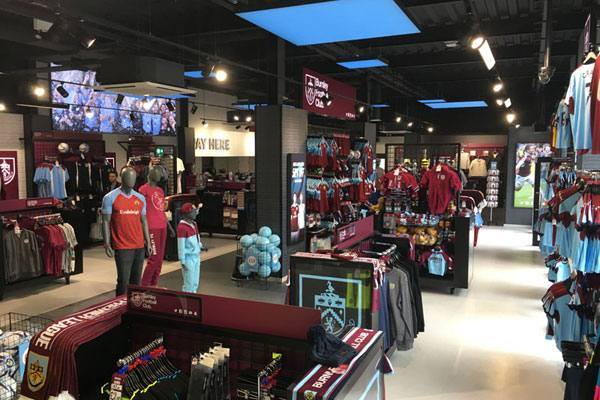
column 516, row 26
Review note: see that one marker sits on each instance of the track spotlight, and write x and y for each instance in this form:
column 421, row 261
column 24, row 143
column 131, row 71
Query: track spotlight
column 485, row 51
column 430, row 129
column 204, row 123
column 249, row 118
column 497, row 87
column 507, row 103
column 221, row 75
column 236, row 117
column 170, row 105
column 499, row 102
column 132, row 116
column 208, row 69
column 359, row 108
column 247, row 127
column 62, row 91
column 410, row 124
column 398, row 120
column 119, row 99
column 73, row 29
column 39, row 91
column 238, row 126
column 89, row 113
column 477, row 41
column 517, row 126
column 2, row 107
column 194, row 109
column 328, row 99
column 511, row 117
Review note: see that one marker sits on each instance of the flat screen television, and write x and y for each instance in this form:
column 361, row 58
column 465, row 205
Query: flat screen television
column 91, row 111
column 526, row 156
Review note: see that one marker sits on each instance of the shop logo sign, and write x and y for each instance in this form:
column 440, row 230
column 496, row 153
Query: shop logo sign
column 309, row 89
column 333, row 310
column 37, row 371
column 8, row 167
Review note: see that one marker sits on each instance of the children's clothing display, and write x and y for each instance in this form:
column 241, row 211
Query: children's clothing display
column 189, row 246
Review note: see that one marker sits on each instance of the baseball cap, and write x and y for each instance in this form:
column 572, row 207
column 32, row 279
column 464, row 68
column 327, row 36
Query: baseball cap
column 187, row 207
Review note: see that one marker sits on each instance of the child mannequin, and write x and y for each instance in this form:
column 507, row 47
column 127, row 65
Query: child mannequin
column 189, row 247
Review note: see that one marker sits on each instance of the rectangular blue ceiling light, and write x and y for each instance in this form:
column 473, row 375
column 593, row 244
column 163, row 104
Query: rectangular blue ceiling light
column 432, row 101
column 373, row 63
column 380, row 105
column 457, row 104
column 334, row 21
column 197, row 74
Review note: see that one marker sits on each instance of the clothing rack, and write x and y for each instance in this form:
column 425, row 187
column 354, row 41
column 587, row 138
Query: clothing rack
column 131, row 358
column 37, row 209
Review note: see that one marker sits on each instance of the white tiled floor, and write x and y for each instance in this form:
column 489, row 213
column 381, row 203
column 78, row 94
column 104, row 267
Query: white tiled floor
column 487, row 342
column 484, row 343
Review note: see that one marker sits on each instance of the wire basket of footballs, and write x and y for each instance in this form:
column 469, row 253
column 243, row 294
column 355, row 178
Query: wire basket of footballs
column 16, row 331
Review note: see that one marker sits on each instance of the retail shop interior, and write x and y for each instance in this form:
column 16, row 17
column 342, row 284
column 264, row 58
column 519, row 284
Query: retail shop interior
column 247, row 199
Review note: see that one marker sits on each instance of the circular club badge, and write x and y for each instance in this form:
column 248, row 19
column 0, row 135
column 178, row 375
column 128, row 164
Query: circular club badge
column 275, row 258
column 252, row 261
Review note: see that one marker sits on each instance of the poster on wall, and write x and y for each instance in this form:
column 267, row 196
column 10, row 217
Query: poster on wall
column 318, row 88
column 297, row 197
column 10, row 175
column 526, row 156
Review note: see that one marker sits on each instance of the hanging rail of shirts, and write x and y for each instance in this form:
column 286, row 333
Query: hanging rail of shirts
column 141, row 352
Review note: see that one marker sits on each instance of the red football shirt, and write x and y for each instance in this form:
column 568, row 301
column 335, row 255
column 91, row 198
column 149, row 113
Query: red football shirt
column 442, row 186
column 125, row 224
column 155, row 206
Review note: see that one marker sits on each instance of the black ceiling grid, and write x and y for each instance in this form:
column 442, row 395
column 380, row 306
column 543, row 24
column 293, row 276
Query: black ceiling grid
column 432, row 63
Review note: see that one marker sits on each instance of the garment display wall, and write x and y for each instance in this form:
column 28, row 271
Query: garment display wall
column 36, row 243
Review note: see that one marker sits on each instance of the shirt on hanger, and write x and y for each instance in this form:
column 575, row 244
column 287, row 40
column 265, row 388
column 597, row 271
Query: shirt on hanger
column 59, row 178
column 578, row 99
column 595, row 109
column 564, row 137
column 125, row 224
column 442, row 186
column 465, row 160
column 478, row 168
column 180, row 170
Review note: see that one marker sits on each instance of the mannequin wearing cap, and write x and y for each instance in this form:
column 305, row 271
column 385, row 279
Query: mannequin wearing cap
column 125, row 230
column 157, row 226
column 189, row 247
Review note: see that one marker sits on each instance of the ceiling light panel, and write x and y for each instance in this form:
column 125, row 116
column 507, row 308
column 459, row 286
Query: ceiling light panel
column 457, row 104
column 370, row 63
column 346, row 20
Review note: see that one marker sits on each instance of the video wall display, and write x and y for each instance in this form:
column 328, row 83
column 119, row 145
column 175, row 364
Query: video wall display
column 91, row 111
column 526, row 156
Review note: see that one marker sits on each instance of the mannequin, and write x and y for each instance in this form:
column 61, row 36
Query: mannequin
column 189, row 247
column 157, row 225
column 125, row 230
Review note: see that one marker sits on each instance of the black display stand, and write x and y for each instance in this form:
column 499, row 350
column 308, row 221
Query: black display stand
column 463, row 258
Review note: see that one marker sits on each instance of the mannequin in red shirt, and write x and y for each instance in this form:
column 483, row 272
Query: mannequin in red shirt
column 125, row 231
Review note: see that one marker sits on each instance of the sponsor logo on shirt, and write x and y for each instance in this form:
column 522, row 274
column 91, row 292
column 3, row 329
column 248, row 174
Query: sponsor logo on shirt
column 158, row 201
column 132, row 212
column 37, row 370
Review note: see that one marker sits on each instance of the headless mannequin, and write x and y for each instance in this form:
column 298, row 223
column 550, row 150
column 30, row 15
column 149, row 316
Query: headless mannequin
column 128, row 251
column 128, row 177
column 158, row 226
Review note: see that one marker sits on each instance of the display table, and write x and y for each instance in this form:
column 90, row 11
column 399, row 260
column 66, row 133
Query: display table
column 97, row 337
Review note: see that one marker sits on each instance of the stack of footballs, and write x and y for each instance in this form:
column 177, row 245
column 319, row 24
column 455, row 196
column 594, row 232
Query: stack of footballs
column 261, row 253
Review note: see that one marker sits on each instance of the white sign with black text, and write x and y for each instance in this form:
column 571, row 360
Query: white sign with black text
column 220, row 143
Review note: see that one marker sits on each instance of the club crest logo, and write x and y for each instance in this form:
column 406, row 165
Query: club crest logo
column 137, row 299
column 8, row 166
column 37, row 370
column 333, row 310
column 309, row 395
column 158, row 201
column 309, row 89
